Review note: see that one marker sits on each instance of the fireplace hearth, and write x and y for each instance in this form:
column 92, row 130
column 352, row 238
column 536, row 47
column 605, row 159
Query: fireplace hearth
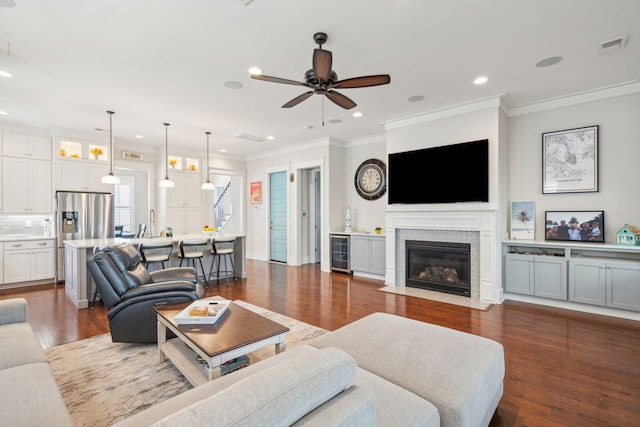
column 439, row 266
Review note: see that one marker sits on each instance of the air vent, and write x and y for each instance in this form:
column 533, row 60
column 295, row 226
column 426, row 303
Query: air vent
column 249, row 137
column 613, row 45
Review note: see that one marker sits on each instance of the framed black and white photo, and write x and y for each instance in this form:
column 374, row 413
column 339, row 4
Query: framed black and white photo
column 570, row 161
column 574, row 226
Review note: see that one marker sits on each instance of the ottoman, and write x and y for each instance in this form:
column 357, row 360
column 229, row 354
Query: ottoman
column 460, row 373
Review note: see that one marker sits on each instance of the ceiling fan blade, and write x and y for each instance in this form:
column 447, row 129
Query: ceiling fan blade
column 298, row 99
column 340, row 100
column 276, row 80
column 364, row 81
column 322, row 62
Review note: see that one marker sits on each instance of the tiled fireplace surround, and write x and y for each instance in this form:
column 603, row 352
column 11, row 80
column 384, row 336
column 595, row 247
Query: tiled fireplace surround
column 476, row 227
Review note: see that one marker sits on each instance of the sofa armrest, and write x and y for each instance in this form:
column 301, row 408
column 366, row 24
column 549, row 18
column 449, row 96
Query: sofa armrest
column 182, row 274
column 13, row 310
column 158, row 288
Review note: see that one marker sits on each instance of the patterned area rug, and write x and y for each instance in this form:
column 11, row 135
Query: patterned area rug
column 103, row 382
column 437, row 296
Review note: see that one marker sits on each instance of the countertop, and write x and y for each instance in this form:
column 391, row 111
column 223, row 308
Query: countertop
column 357, row 233
column 23, row 237
column 91, row 243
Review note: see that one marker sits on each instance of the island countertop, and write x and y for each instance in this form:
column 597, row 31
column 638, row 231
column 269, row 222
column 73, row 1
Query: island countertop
column 92, row 243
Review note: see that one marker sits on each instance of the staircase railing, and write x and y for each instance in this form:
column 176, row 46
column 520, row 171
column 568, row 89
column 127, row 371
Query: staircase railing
column 222, row 208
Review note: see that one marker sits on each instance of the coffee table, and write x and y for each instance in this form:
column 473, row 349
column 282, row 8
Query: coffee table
column 238, row 332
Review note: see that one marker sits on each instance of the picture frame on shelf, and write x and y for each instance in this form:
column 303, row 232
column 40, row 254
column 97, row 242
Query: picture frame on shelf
column 523, row 219
column 256, row 192
column 574, row 226
column 570, row 161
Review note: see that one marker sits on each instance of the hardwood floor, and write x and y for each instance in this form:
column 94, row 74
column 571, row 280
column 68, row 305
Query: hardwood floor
column 563, row 368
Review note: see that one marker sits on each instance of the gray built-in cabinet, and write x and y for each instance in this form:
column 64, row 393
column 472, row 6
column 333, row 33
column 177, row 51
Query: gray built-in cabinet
column 368, row 254
column 596, row 274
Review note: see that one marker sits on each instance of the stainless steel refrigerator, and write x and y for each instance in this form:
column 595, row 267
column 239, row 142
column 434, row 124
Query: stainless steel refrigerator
column 81, row 216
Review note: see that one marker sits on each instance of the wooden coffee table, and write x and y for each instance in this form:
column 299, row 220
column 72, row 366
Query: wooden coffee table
column 238, row 332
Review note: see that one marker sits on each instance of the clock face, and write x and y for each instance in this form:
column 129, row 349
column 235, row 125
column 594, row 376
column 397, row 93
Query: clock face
column 371, row 179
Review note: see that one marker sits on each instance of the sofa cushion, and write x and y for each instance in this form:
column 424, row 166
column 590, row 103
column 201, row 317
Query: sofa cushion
column 278, row 395
column 19, row 346
column 460, row 373
column 355, row 406
column 13, row 310
column 29, row 396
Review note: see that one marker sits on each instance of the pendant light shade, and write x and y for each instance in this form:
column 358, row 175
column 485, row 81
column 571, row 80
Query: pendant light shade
column 110, row 178
column 166, row 182
column 208, row 185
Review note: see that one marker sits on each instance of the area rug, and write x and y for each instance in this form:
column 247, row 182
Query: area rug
column 103, row 382
column 437, row 296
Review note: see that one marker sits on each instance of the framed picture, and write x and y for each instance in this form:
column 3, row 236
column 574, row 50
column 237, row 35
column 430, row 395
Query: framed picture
column 523, row 217
column 574, row 226
column 570, row 161
column 256, row 192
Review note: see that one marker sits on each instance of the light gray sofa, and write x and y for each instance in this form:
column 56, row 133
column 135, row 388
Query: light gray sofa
column 382, row 370
column 29, row 395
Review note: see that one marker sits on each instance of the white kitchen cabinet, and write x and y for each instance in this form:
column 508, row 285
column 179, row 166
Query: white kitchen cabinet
column 539, row 275
column 26, row 261
column 81, row 175
column 184, row 220
column 187, row 192
column 368, row 254
column 28, row 147
column 605, row 282
column 26, row 185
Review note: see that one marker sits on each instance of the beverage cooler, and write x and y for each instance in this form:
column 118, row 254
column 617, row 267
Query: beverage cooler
column 340, row 244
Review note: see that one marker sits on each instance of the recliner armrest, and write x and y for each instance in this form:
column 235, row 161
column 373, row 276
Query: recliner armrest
column 156, row 288
column 184, row 274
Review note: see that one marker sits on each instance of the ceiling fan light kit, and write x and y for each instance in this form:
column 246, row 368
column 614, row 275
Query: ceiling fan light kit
column 322, row 80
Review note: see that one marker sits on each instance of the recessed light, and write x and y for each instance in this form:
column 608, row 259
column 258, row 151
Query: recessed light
column 480, row 80
column 357, row 114
column 255, row 70
column 5, row 74
column 415, row 98
column 335, row 121
column 223, row 150
column 138, row 136
column 271, row 137
column 3, row 113
column 547, row 62
column 233, row 85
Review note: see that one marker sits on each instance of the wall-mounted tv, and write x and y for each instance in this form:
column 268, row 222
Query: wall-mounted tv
column 445, row 174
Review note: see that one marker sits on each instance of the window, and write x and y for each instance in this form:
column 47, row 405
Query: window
column 124, row 196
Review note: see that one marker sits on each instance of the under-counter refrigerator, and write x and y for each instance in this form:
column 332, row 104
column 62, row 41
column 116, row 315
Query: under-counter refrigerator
column 81, row 216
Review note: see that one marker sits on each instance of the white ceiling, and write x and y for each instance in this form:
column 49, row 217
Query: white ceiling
column 155, row 61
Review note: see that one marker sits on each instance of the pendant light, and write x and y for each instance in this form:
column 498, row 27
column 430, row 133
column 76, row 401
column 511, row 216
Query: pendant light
column 208, row 185
column 110, row 178
column 166, row 182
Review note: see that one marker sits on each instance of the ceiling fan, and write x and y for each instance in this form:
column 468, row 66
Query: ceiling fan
column 323, row 80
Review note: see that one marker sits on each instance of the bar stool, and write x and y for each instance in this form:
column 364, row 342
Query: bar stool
column 192, row 250
column 220, row 253
column 161, row 252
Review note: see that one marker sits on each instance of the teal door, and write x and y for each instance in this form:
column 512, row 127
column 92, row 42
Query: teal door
column 278, row 216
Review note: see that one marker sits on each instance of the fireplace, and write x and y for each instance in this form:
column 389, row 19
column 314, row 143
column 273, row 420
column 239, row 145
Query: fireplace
column 439, row 266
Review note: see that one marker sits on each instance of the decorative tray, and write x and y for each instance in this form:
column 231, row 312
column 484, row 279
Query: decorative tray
column 205, row 311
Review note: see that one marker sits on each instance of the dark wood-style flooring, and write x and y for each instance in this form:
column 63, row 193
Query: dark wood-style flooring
column 563, row 368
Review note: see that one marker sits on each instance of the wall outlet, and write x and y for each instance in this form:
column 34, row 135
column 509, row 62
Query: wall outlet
column 27, row 223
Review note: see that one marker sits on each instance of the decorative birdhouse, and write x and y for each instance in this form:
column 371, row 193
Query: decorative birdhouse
column 628, row 235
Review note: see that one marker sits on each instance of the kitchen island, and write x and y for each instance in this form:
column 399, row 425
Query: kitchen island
column 79, row 285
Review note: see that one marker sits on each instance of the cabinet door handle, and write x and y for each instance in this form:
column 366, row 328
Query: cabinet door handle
column 42, row 243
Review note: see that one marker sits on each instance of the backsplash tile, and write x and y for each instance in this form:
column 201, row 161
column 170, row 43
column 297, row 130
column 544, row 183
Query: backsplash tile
column 16, row 224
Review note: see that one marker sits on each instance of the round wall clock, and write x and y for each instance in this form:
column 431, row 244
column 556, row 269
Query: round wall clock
column 371, row 179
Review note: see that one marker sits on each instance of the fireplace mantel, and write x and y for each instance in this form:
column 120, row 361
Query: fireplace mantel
column 482, row 221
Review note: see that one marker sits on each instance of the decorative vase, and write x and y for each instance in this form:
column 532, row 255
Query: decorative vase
column 347, row 221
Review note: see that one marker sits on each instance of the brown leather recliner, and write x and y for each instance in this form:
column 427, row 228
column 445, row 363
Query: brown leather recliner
column 131, row 293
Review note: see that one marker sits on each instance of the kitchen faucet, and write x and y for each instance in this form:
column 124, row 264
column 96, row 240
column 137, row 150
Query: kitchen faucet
column 152, row 221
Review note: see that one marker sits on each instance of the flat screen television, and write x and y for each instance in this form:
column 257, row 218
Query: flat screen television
column 446, row 174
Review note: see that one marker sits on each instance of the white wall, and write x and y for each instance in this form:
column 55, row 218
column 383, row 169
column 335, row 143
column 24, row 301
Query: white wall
column 618, row 119
column 366, row 215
